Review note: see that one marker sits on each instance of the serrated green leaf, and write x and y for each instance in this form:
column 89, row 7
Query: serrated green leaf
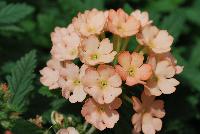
column 20, row 81
column 14, row 12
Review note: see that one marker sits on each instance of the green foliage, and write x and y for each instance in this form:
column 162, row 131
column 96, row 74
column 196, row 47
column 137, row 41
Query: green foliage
column 20, row 81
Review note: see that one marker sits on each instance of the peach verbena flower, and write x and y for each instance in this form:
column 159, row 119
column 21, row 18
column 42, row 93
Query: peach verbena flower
column 162, row 81
column 93, row 52
column 51, row 74
column 69, row 130
column 143, row 17
column 159, row 41
column 148, row 114
column 73, row 83
column 122, row 24
column 101, row 115
column 79, row 66
column 65, row 43
column 131, row 68
column 103, row 83
column 90, row 22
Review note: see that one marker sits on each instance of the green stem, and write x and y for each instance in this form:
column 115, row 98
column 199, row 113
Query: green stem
column 91, row 130
column 127, row 98
column 117, row 46
column 125, row 44
column 85, row 126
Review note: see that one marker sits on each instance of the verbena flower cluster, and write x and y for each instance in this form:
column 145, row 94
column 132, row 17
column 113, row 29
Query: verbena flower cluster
column 99, row 39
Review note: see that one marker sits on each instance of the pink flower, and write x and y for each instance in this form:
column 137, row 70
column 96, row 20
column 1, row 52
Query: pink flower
column 93, row 52
column 143, row 17
column 168, row 56
column 132, row 69
column 122, row 24
column 65, row 43
column 69, row 130
column 101, row 116
column 159, row 41
column 148, row 114
column 162, row 81
column 51, row 74
column 90, row 22
column 103, row 84
column 73, row 83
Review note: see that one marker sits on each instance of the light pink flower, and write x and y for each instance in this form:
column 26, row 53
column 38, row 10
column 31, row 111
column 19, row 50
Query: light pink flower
column 168, row 56
column 103, row 84
column 122, row 24
column 69, row 130
column 51, row 74
column 132, row 69
column 159, row 41
column 143, row 17
column 101, row 116
column 65, row 43
column 73, row 83
column 90, row 22
column 162, row 80
column 93, row 52
column 148, row 114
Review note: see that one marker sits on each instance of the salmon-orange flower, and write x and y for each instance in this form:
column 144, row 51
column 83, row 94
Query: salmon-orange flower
column 158, row 41
column 148, row 114
column 101, row 115
column 103, row 83
column 122, row 24
column 131, row 68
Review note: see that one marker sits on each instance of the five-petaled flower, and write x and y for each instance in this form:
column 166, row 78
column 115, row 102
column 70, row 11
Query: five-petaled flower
column 132, row 69
column 158, row 41
column 103, row 83
column 93, row 52
column 73, row 83
column 148, row 114
column 101, row 115
column 122, row 24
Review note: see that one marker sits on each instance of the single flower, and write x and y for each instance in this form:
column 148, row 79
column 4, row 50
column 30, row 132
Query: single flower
column 72, row 85
column 69, row 130
column 131, row 68
column 65, row 43
column 101, row 115
column 93, row 51
column 122, row 24
column 148, row 114
column 158, row 41
column 51, row 74
column 90, row 22
column 103, row 83
column 143, row 17
column 162, row 80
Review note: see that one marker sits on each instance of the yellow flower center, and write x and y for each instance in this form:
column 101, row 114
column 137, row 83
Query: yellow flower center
column 91, row 29
column 120, row 28
column 73, row 52
column 131, row 71
column 76, row 82
column 103, row 84
column 151, row 45
column 94, row 56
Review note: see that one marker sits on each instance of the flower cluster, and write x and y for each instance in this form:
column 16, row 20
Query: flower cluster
column 98, row 40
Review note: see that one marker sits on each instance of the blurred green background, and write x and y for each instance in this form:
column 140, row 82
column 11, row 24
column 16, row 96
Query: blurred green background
column 26, row 25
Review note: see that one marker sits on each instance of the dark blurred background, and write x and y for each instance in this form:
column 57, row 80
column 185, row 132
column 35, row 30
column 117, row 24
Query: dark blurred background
column 37, row 19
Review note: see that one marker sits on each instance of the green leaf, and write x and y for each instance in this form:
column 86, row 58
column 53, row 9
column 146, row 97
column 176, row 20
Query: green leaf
column 13, row 13
column 25, row 127
column 45, row 92
column 20, row 81
column 11, row 28
column 175, row 23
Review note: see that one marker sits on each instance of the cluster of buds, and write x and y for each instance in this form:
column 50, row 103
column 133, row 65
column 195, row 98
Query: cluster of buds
column 99, row 39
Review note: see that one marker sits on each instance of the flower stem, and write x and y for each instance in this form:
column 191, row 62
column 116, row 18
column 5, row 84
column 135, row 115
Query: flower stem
column 127, row 98
column 91, row 130
column 85, row 126
column 125, row 44
column 117, row 46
